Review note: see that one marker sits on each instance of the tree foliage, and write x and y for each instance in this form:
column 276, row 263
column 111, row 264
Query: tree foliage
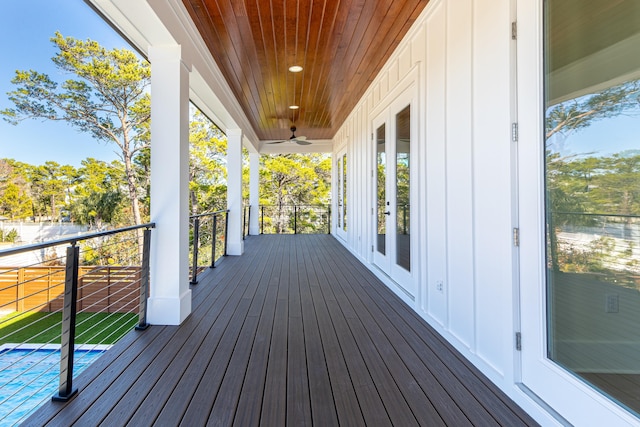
column 288, row 180
column 107, row 98
column 15, row 198
column 99, row 195
column 207, row 166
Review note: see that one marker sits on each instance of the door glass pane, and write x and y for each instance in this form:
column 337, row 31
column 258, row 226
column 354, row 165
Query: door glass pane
column 344, row 192
column 381, row 176
column 592, row 177
column 403, row 147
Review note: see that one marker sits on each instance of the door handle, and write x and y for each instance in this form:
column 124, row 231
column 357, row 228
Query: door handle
column 387, row 213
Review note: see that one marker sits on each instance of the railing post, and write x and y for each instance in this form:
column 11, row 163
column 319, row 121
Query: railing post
column 329, row 219
column 295, row 219
column 196, row 241
column 226, row 231
column 144, row 280
column 66, row 390
column 249, row 222
column 262, row 220
column 214, row 235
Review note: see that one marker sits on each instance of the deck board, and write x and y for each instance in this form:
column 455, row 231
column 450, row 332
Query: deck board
column 294, row 332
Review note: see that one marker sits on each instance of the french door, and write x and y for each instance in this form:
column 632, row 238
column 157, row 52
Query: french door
column 392, row 137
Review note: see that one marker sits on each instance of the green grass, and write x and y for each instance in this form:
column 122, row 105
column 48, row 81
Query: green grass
column 91, row 328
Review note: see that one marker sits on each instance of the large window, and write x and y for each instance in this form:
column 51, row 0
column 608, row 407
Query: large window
column 592, row 177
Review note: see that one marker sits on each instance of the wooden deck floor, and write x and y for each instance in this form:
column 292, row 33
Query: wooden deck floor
column 295, row 332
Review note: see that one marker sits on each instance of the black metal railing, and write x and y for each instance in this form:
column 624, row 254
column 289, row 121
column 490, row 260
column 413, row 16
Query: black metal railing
column 295, row 219
column 93, row 292
column 209, row 231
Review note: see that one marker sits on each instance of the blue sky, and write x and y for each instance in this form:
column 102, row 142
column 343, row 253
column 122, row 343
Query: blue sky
column 601, row 138
column 25, row 29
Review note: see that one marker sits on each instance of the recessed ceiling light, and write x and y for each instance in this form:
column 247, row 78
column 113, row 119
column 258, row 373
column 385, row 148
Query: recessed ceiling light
column 295, row 68
column 293, row 107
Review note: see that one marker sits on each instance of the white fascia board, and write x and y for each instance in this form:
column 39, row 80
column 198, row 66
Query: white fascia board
column 136, row 21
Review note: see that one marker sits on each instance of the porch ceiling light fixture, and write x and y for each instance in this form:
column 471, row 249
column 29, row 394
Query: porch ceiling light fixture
column 295, row 68
column 294, row 107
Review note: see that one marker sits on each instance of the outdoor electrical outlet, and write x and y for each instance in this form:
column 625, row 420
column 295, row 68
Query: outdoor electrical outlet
column 613, row 303
column 440, row 286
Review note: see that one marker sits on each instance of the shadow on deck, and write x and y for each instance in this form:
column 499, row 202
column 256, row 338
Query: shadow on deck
column 295, row 332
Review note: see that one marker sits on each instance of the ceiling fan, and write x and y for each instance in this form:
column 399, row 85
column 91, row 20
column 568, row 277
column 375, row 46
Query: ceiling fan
column 300, row 140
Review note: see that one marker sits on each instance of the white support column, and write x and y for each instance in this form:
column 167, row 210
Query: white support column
column 235, row 244
column 170, row 301
column 254, row 191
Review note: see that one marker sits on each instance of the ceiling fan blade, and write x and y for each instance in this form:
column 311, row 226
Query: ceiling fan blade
column 301, row 138
column 301, row 142
column 276, row 142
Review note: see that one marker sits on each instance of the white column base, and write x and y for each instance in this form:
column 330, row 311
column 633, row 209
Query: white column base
column 235, row 248
column 169, row 311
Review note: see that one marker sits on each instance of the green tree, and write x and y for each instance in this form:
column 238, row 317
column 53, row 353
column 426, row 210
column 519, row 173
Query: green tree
column 293, row 179
column 48, row 186
column 616, row 188
column 98, row 195
column 15, row 200
column 14, row 203
column 108, row 99
column 207, row 165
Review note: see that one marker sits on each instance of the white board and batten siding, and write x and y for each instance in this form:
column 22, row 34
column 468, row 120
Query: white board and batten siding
column 459, row 58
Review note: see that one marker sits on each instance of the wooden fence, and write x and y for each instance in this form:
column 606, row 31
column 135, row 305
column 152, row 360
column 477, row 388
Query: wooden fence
column 100, row 289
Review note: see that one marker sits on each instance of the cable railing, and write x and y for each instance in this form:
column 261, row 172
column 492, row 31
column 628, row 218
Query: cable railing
column 295, row 219
column 208, row 241
column 62, row 311
column 607, row 245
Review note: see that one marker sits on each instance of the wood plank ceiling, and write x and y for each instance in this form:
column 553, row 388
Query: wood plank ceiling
column 341, row 45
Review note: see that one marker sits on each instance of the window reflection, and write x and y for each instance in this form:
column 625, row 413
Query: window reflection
column 344, row 192
column 381, row 176
column 592, row 155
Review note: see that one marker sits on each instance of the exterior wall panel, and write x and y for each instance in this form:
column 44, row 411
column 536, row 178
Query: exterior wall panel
column 436, row 166
column 492, row 179
column 459, row 177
